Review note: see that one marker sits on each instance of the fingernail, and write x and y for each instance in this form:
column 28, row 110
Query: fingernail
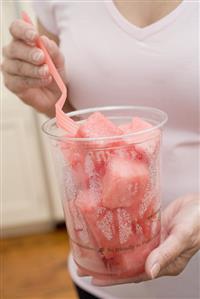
column 43, row 71
column 30, row 35
column 155, row 270
column 37, row 56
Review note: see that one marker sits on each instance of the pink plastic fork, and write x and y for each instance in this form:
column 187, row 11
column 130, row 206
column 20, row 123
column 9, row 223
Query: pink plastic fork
column 62, row 120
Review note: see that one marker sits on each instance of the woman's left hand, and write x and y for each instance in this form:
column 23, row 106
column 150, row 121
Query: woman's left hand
column 180, row 241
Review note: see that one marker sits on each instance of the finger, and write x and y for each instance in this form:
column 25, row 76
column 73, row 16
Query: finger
column 20, row 68
column 55, row 54
column 16, row 84
column 19, row 50
column 163, row 255
column 169, row 212
column 176, row 266
column 22, row 30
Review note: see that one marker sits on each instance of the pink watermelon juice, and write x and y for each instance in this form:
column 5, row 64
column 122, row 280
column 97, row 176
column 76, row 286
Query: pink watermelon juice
column 110, row 178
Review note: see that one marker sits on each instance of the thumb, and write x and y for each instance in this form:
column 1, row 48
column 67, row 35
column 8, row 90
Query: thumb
column 163, row 255
column 55, row 53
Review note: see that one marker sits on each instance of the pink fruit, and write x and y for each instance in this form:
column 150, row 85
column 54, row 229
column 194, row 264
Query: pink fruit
column 126, row 228
column 146, row 144
column 113, row 215
column 100, row 158
column 118, row 236
column 79, row 224
column 124, row 183
column 129, row 263
column 97, row 125
column 126, row 128
column 100, row 221
column 148, row 149
column 89, row 260
column 138, row 124
column 82, row 242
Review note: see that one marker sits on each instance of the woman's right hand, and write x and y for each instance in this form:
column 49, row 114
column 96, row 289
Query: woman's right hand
column 25, row 72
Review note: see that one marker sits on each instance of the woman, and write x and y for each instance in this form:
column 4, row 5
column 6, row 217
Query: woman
column 126, row 52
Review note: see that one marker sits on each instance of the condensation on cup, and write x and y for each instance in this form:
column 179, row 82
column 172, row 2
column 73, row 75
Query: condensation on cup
column 110, row 188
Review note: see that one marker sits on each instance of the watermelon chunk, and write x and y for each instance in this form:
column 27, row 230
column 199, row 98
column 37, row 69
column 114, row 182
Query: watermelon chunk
column 118, row 235
column 97, row 125
column 112, row 190
column 124, row 183
column 138, row 124
column 79, row 224
column 82, row 242
column 129, row 263
column 100, row 221
column 147, row 144
column 88, row 260
column 126, row 128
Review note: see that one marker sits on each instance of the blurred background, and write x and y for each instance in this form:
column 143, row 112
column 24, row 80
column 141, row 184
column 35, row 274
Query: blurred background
column 34, row 241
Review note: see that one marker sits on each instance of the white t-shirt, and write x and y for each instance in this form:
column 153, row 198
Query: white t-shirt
column 110, row 61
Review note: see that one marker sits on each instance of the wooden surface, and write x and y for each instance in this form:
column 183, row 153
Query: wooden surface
column 35, row 267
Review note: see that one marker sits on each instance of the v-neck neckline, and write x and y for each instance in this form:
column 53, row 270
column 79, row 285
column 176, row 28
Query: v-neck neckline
column 141, row 33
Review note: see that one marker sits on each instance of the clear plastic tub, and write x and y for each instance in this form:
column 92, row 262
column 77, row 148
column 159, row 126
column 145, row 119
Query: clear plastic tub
column 111, row 192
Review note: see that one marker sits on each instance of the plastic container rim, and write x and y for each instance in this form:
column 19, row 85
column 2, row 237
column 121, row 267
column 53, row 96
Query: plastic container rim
column 163, row 115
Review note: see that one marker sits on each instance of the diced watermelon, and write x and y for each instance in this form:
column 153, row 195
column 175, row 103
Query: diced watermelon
column 100, row 159
column 74, row 175
column 127, row 234
column 149, row 206
column 148, row 149
column 88, row 259
column 126, row 128
column 73, row 153
column 138, row 124
column 79, row 224
column 129, row 263
column 112, row 190
column 82, row 242
column 150, row 226
column 149, row 143
column 84, row 247
column 124, row 183
column 101, row 222
column 97, row 125
column 146, row 144
column 117, row 236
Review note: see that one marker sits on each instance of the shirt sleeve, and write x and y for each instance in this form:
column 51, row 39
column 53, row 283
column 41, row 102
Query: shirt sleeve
column 45, row 12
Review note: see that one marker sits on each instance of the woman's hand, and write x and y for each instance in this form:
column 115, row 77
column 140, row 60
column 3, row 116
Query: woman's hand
column 180, row 241
column 25, row 72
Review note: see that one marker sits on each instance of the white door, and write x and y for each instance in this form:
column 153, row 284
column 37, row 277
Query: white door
column 29, row 193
